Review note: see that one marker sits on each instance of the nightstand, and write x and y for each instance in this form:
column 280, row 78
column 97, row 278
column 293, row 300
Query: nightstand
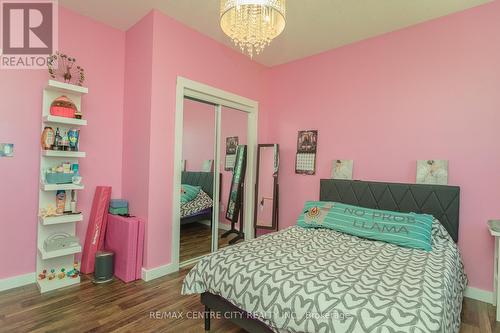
column 494, row 226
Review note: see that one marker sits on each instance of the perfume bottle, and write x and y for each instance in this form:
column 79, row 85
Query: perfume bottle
column 57, row 140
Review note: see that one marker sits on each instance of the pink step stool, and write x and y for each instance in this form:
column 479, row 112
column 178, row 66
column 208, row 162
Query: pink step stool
column 125, row 237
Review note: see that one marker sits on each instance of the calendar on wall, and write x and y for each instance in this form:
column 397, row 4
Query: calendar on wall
column 305, row 160
column 229, row 162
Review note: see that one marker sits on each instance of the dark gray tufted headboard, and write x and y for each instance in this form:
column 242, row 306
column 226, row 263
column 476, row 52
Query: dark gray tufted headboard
column 443, row 202
column 203, row 179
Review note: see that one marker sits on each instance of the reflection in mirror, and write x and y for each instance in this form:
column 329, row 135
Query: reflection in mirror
column 234, row 127
column 197, row 195
column 266, row 188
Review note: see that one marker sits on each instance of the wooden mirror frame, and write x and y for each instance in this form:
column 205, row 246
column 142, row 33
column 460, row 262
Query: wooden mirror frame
column 275, row 213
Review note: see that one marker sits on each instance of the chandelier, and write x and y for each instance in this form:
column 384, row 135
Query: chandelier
column 252, row 24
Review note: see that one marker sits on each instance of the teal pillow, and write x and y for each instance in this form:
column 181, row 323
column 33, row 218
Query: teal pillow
column 189, row 192
column 404, row 229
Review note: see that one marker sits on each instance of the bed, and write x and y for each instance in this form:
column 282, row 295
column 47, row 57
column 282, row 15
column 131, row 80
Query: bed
column 320, row 280
column 199, row 209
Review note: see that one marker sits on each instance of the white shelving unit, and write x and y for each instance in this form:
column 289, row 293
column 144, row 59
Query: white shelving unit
column 59, row 253
column 48, row 119
column 67, row 154
column 63, row 259
column 57, row 187
column 66, row 218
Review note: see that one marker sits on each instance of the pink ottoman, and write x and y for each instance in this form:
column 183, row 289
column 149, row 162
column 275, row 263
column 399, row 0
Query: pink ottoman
column 125, row 237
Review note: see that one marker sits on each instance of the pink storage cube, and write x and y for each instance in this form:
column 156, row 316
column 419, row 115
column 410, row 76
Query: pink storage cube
column 125, row 237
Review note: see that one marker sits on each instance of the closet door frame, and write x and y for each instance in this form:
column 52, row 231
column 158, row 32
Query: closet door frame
column 195, row 90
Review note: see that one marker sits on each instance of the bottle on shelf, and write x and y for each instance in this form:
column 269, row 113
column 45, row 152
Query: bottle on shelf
column 57, row 140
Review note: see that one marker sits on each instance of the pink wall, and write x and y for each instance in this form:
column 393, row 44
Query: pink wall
column 426, row 92
column 137, row 117
column 21, row 103
column 176, row 52
column 198, row 134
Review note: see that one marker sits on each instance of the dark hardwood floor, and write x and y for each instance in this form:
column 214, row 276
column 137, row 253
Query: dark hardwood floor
column 143, row 307
column 196, row 240
column 115, row 307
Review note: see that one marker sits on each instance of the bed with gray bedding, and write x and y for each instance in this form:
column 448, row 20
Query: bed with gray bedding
column 320, row 280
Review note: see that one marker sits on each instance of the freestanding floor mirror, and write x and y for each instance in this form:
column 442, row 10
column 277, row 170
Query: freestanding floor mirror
column 267, row 188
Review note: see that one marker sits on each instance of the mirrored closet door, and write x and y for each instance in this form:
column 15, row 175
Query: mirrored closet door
column 198, row 193
column 233, row 143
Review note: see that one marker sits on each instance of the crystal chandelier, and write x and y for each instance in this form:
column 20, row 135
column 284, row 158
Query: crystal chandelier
column 252, row 24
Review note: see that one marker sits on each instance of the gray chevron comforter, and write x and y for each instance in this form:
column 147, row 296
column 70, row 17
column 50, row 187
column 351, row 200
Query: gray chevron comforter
column 320, row 280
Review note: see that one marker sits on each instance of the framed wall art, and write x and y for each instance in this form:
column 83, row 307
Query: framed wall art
column 6, row 150
column 231, row 146
column 342, row 169
column 432, row 172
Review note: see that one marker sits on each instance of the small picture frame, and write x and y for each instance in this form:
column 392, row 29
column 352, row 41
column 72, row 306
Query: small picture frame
column 231, row 145
column 342, row 169
column 432, row 172
column 6, row 150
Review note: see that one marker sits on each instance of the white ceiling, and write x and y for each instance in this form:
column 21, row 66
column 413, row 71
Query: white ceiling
column 313, row 26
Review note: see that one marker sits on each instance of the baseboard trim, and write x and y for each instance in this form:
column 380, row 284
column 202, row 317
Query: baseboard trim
column 479, row 294
column 17, row 281
column 157, row 272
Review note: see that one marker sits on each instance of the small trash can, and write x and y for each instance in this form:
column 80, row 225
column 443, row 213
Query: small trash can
column 104, row 267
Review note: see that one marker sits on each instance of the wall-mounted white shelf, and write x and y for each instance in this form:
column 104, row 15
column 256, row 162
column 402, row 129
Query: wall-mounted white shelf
column 66, row 88
column 46, row 285
column 57, row 187
column 63, row 259
column 59, row 253
column 61, row 153
column 64, row 120
column 66, row 218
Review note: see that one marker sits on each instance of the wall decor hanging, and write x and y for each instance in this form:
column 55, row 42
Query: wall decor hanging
column 342, row 169
column 432, row 172
column 231, row 146
column 64, row 68
column 6, row 150
column 305, row 160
